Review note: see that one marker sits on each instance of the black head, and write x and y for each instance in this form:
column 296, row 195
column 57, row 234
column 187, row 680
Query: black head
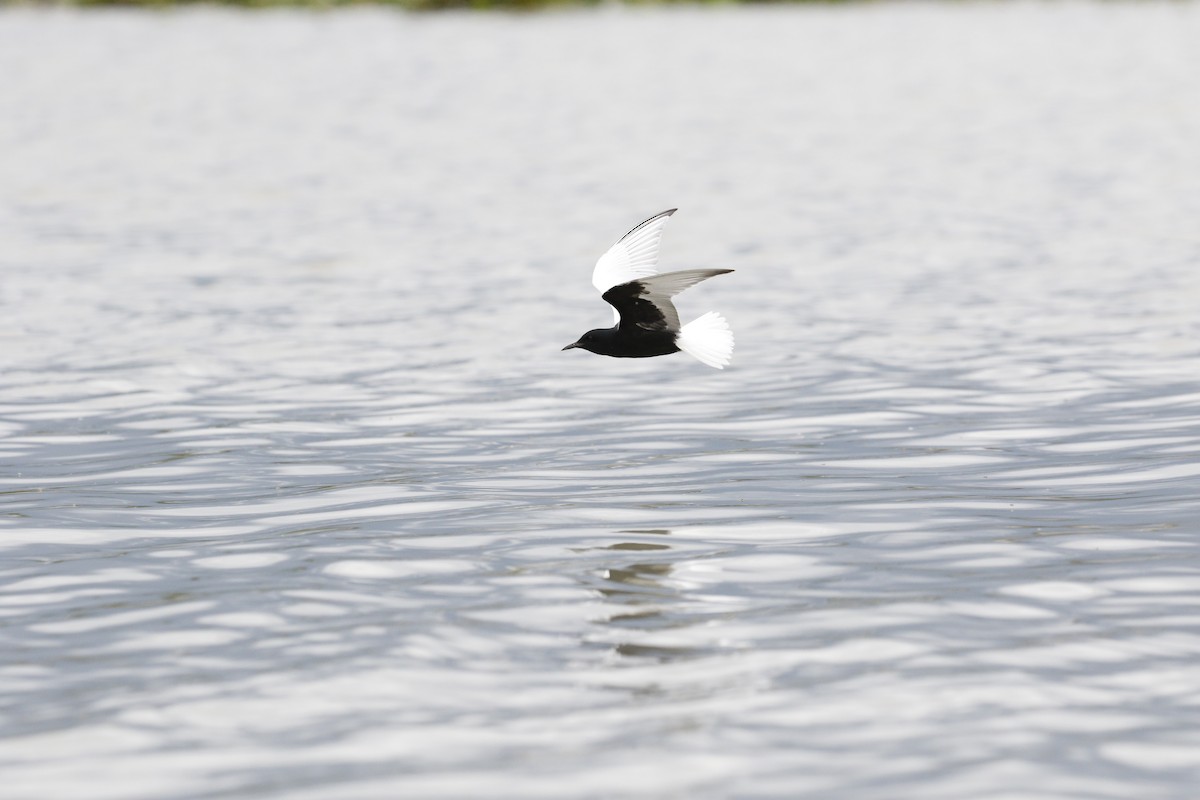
column 592, row 340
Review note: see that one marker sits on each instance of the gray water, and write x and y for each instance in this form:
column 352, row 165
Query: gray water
column 301, row 499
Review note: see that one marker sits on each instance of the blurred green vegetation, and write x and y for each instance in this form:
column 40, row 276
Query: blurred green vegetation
column 419, row 5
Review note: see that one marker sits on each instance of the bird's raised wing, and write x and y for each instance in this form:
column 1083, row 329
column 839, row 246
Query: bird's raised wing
column 646, row 303
column 634, row 256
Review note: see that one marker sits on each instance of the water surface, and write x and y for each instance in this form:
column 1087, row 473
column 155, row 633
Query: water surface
column 301, row 498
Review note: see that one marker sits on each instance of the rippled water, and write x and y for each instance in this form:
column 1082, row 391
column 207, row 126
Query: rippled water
column 300, row 497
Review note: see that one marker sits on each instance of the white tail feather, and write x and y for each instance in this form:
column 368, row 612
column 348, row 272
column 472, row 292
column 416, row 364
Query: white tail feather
column 707, row 339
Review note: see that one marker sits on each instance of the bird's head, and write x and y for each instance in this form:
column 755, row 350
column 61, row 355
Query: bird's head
column 589, row 341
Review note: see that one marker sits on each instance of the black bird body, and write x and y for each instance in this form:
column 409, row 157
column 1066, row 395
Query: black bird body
column 647, row 323
column 626, row 343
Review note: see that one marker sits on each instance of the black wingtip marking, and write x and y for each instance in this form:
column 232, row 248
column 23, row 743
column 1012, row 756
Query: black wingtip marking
column 644, row 223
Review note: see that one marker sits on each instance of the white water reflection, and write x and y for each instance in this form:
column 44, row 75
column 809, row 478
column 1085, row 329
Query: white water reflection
column 301, row 499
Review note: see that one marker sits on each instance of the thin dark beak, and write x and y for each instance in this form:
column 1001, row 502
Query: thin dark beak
column 571, row 345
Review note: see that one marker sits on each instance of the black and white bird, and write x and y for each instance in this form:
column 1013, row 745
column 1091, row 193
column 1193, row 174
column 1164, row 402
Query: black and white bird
column 646, row 322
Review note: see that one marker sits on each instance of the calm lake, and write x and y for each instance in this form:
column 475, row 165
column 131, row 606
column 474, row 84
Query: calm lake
column 300, row 498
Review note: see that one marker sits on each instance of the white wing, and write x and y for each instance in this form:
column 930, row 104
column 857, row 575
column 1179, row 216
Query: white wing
column 635, row 256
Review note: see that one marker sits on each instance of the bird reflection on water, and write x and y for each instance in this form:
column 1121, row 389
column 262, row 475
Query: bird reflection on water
column 645, row 598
